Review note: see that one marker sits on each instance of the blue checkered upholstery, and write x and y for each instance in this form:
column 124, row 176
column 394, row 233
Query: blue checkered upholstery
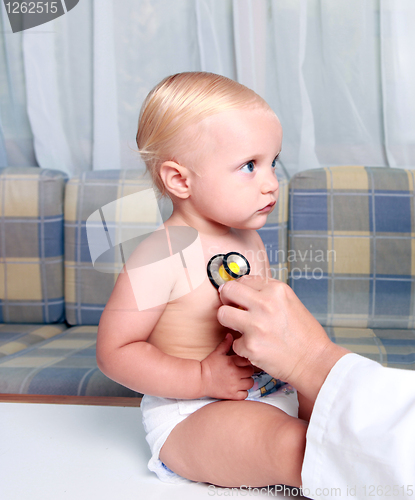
column 41, row 358
column 352, row 259
column 31, row 245
column 15, row 337
column 64, row 364
column 394, row 348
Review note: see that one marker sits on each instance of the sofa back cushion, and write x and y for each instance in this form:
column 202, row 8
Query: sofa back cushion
column 31, row 245
column 274, row 233
column 352, row 247
column 108, row 207
column 104, row 201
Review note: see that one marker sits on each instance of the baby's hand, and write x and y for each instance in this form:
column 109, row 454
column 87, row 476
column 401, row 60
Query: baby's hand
column 226, row 377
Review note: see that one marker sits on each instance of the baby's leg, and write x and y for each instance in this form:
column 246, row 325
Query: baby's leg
column 235, row 443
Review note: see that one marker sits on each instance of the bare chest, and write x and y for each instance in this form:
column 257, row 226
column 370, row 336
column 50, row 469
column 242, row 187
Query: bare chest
column 188, row 327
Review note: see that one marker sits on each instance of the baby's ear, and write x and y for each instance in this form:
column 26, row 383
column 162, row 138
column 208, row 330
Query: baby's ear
column 175, row 178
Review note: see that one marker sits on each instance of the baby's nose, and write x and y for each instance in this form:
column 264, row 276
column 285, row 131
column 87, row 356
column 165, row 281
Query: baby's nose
column 270, row 184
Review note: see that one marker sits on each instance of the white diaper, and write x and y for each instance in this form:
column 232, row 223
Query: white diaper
column 161, row 415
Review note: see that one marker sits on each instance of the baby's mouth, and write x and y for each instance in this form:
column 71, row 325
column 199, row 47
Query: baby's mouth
column 269, row 207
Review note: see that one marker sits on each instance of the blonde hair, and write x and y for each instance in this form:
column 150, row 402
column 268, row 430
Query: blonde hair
column 179, row 101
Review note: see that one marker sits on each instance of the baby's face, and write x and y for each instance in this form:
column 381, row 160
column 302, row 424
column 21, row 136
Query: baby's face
column 236, row 185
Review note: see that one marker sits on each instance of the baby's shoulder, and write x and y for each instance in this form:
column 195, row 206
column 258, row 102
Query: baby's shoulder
column 148, row 249
column 151, row 255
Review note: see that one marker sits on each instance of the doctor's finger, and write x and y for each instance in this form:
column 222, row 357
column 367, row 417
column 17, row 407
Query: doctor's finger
column 239, row 346
column 233, row 318
column 254, row 281
column 239, row 293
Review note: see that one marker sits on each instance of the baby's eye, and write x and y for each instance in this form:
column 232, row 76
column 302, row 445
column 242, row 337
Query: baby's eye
column 249, row 167
column 274, row 163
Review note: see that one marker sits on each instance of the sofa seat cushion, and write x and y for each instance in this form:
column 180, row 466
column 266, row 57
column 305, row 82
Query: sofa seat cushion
column 15, row 337
column 65, row 364
column 62, row 365
column 392, row 348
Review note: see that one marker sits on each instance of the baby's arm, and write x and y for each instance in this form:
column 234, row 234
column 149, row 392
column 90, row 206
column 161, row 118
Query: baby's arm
column 124, row 355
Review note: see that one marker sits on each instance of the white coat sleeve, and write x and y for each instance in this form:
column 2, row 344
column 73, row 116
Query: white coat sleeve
column 361, row 437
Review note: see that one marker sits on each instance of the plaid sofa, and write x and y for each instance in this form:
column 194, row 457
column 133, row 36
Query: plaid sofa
column 342, row 237
column 352, row 257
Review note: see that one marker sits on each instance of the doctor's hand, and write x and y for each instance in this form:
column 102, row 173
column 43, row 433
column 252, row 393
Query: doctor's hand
column 278, row 333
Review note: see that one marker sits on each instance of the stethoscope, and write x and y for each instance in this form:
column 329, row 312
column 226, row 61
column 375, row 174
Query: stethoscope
column 226, row 267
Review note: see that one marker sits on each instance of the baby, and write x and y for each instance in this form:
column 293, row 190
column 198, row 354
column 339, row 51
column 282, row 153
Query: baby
column 211, row 145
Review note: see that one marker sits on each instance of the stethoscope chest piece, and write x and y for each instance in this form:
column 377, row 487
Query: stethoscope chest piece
column 226, row 267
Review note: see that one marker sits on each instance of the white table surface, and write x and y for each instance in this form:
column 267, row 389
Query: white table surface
column 73, row 452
